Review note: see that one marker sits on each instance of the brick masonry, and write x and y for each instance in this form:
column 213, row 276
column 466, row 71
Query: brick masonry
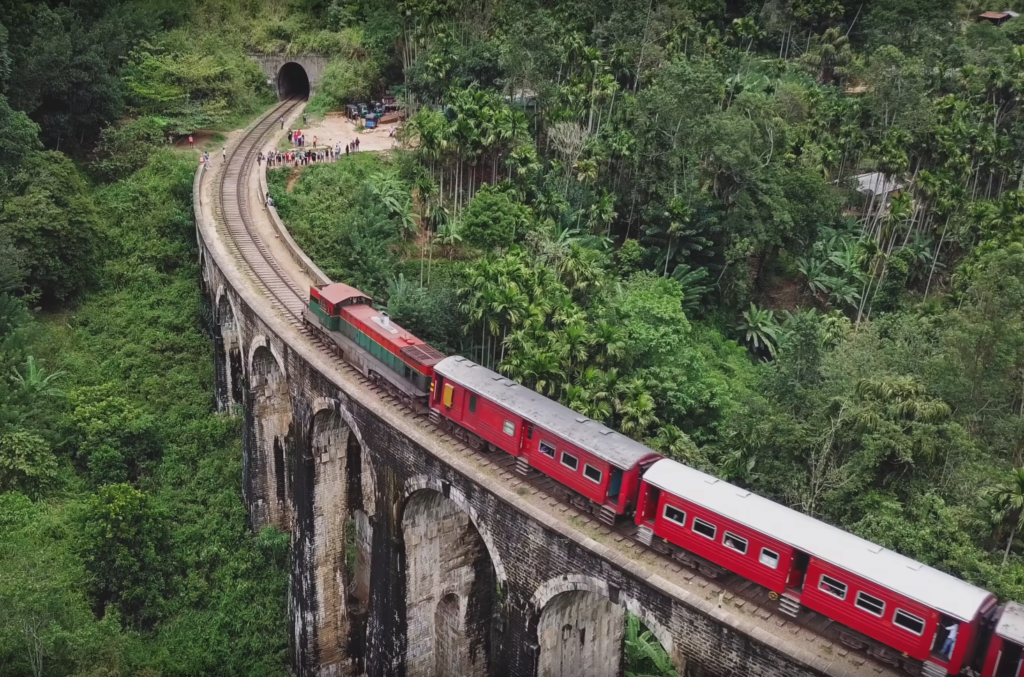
column 409, row 559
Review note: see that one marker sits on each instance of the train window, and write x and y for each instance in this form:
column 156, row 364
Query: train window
column 769, row 558
column 673, row 514
column 734, row 542
column 570, row 461
column 909, row 622
column 472, row 403
column 509, row 428
column 529, row 431
column 592, row 473
column 870, row 603
column 547, row 449
column 832, row 586
column 705, row 529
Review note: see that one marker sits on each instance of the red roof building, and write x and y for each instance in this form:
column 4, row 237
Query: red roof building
column 997, row 18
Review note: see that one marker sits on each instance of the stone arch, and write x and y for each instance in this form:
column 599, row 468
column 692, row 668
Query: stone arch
column 422, row 482
column 292, row 81
column 561, row 603
column 449, row 659
column 228, row 345
column 446, row 558
column 263, row 342
column 368, row 484
column 269, row 466
column 324, row 541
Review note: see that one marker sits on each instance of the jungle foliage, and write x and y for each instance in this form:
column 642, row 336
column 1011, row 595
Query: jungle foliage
column 780, row 241
column 123, row 537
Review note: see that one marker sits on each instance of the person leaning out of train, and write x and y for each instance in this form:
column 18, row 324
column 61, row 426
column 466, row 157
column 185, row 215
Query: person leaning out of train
column 947, row 646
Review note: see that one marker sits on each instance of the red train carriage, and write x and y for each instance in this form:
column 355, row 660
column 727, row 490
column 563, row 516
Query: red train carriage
column 592, row 460
column 369, row 340
column 877, row 594
column 1005, row 657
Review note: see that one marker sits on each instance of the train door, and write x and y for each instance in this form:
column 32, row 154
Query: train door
column 947, row 629
column 1010, row 660
column 615, row 485
column 798, row 570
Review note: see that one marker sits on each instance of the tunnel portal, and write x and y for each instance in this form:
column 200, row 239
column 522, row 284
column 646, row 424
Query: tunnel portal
column 292, row 81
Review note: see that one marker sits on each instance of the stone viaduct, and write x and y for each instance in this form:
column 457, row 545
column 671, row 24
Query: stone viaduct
column 413, row 556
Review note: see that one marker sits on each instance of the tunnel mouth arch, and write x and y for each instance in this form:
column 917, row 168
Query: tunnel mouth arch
column 292, row 81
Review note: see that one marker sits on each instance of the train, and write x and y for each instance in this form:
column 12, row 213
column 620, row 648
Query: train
column 899, row 611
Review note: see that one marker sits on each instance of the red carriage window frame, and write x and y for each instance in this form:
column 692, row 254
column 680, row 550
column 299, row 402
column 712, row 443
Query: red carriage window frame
column 734, row 542
column 870, row 604
column 589, row 471
column 907, row 617
column 832, row 586
column 769, row 558
column 573, row 463
column 703, row 528
column 670, row 512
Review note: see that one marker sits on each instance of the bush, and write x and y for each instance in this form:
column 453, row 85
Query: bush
column 492, row 220
column 345, row 80
column 51, row 218
column 125, row 147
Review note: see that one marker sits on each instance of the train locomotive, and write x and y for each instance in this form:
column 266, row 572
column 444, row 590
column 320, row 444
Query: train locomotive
column 899, row 611
column 367, row 339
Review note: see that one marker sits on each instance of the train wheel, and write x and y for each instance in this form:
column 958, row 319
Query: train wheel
column 708, row 571
column 851, row 640
column 885, row 655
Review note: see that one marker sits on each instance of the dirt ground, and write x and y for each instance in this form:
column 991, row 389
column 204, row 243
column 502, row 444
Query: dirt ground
column 336, row 128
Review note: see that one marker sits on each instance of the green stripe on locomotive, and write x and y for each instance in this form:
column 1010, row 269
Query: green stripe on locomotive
column 393, row 362
column 325, row 319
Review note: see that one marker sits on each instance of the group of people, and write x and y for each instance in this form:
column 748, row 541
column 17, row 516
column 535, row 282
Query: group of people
column 305, row 157
column 299, row 139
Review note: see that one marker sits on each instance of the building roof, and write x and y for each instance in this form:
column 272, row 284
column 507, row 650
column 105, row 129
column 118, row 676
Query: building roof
column 1011, row 623
column 336, row 292
column 902, row 575
column 998, row 16
column 589, row 435
column 875, row 183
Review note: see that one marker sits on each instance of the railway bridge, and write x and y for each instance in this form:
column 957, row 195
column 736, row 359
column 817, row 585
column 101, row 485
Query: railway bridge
column 414, row 555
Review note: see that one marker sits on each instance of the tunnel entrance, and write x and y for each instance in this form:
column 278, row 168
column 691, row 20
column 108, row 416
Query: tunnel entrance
column 292, row 81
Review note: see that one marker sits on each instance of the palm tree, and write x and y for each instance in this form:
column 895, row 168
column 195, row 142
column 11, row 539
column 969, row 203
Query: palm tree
column 674, row 443
column 759, row 329
column 638, row 410
column 1009, row 497
column 609, row 341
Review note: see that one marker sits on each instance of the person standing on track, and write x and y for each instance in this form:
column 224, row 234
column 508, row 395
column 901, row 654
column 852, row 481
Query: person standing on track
column 282, row 122
column 191, row 141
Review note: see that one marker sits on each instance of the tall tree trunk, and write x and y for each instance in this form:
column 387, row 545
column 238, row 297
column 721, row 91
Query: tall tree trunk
column 1009, row 543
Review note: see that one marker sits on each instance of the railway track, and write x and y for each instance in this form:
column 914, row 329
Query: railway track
column 256, row 262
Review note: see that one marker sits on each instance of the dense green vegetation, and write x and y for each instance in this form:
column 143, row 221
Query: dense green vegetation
column 650, row 212
column 653, row 213
column 123, row 537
